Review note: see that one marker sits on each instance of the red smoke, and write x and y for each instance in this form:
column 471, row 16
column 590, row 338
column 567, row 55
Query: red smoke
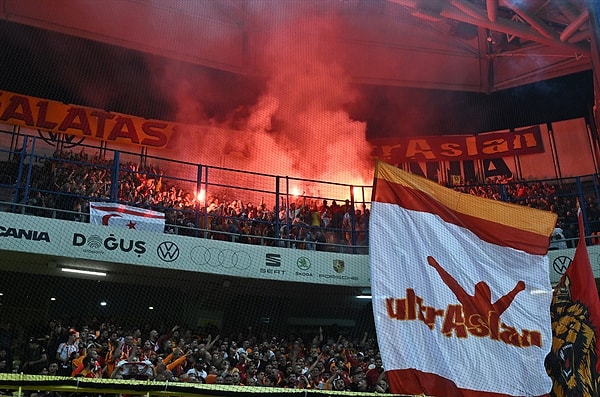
column 292, row 121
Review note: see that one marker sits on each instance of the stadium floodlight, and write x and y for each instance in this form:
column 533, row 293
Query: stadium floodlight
column 81, row 271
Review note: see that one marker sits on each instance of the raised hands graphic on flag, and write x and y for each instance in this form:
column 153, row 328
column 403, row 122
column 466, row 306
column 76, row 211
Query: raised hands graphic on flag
column 481, row 302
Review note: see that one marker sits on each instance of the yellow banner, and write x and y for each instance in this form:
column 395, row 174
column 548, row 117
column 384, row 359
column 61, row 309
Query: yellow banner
column 56, row 117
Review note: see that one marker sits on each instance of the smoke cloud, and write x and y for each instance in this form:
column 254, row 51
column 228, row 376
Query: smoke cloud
column 294, row 111
column 291, row 121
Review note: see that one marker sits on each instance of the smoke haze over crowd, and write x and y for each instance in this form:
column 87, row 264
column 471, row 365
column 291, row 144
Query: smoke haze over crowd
column 298, row 112
column 293, row 121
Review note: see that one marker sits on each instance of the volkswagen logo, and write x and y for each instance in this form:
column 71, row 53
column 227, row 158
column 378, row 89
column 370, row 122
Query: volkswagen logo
column 560, row 264
column 167, row 251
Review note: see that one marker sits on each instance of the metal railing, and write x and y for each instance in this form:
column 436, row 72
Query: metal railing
column 198, row 200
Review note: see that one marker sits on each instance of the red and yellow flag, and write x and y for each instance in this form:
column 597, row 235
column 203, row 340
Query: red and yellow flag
column 461, row 290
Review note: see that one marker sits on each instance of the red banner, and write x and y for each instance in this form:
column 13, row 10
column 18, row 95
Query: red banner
column 459, row 147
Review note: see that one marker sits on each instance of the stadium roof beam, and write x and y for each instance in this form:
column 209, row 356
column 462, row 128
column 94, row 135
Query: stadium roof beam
column 492, row 10
column 513, row 28
column 574, row 26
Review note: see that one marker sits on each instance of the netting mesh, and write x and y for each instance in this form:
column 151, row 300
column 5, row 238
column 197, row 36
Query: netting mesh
column 256, row 275
column 270, row 263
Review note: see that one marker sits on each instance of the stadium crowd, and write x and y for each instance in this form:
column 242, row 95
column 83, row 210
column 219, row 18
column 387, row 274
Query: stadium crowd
column 559, row 197
column 62, row 187
column 64, row 184
column 106, row 350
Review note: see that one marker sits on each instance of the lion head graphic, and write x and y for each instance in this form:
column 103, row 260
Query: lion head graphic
column 571, row 362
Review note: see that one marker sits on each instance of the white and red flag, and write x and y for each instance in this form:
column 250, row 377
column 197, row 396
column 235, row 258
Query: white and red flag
column 461, row 290
column 120, row 215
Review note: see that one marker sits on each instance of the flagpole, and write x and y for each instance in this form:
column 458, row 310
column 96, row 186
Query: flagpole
column 581, row 208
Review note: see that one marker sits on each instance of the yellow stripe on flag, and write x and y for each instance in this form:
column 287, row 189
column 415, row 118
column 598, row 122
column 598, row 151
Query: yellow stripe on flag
column 486, row 217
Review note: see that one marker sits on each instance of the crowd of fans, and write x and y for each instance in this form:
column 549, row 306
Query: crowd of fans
column 559, row 197
column 105, row 350
column 64, row 184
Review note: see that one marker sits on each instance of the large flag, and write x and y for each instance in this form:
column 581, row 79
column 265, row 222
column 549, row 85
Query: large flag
column 573, row 362
column 120, row 215
column 461, row 290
